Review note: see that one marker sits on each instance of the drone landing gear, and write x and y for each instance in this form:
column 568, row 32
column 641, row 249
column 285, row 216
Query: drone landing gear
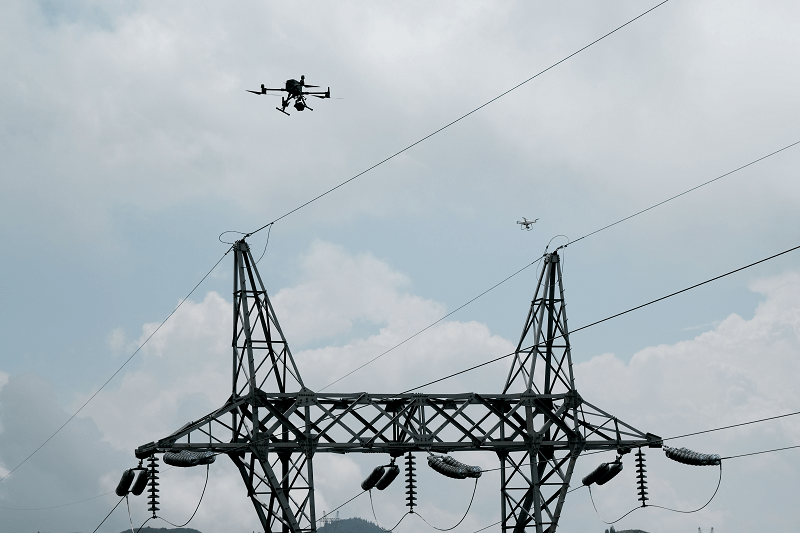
column 282, row 111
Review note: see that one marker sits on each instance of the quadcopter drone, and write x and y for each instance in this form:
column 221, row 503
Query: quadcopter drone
column 525, row 223
column 294, row 90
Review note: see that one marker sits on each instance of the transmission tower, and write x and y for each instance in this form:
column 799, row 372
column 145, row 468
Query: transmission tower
column 272, row 426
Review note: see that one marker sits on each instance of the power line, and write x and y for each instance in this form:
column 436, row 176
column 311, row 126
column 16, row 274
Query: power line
column 55, row 506
column 761, row 452
column 733, row 426
column 196, row 508
column 607, row 318
column 92, row 397
column 689, row 190
column 109, row 514
column 376, row 165
column 569, row 243
column 686, row 289
column 658, row 506
column 429, row 326
column 342, row 505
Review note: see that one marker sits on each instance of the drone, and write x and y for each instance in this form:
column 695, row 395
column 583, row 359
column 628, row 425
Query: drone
column 294, row 90
column 525, row 223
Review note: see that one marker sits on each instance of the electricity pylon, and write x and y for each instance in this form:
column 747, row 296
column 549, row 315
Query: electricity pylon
column 272, row 426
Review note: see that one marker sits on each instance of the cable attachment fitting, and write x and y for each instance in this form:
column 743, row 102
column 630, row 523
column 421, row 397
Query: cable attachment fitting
column 410, row 486
column 641, row 477
column 152, row 468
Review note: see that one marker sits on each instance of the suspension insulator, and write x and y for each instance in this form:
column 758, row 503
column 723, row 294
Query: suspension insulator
column 410, row 486
column 187, row 458
column 472, row 471
column 641, row 477
column 373, row 478
column 613, row 469
column 124, row 485
column 140, row 483
column 391, row 473
column 447, row 466
column 152, row 471
column 688, row 457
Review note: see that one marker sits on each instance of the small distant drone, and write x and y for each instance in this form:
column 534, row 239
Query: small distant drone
column 294, row 90
column 526, row 224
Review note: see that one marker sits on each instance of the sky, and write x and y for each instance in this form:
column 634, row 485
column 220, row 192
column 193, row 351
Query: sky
column 128, row 143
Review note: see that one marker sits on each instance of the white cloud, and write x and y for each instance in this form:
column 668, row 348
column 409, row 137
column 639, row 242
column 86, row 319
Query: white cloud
column 741, row 370
column 341, row 290
column 75, row 464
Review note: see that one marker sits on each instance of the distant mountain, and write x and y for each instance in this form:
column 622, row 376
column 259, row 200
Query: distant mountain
column 351, row 525
column 165, row 530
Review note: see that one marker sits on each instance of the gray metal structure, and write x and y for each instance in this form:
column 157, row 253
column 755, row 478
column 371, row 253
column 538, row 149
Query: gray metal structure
column 273, row 426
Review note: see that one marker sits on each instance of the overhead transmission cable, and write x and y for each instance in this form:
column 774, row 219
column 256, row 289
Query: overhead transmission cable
column 564, row 246
column 462, row 117
column 195, row 509
column 608, row 318
column 429, row 326
column 471, row 500
column 109, row 514
column 118, row 370
column 695, row 433
column 55, row 506
column 687, row 191
column 658, row 506
column 130, row 518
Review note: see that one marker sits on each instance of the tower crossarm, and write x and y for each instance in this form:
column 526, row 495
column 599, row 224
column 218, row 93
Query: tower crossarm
column 396, row 424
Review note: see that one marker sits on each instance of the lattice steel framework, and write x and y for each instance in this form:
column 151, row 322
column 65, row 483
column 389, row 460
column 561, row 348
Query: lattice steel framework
column 272, row 425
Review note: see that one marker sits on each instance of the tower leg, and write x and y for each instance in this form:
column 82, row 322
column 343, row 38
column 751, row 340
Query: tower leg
column 533, row 491
column 284, row 504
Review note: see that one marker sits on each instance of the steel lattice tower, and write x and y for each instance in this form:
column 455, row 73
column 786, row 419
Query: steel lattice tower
column 272, row 426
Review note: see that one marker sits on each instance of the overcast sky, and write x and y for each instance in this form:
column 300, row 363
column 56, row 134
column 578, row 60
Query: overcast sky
column 128, row 143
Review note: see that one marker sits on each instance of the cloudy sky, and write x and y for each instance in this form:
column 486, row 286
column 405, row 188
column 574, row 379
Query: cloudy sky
column 128, row 143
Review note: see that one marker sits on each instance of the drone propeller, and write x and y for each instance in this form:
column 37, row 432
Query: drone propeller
column 326, row 95
column 262, row 91
column 304, row 85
